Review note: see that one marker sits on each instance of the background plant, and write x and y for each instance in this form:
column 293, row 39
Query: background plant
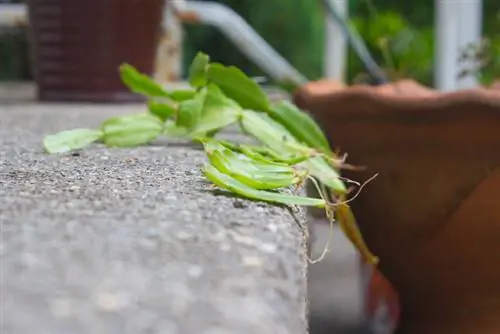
column 401, row 50
column 403, row 43
column 482, row 60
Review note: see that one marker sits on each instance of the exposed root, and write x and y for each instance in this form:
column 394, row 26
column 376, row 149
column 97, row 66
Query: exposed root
column 324, row 196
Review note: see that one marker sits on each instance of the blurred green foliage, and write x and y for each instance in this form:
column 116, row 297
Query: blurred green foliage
column 14, row 55
column 398, row 33
column 482, row 60
column 490, row 72
column 402, row 50
column 488, row 51
column 294, row 28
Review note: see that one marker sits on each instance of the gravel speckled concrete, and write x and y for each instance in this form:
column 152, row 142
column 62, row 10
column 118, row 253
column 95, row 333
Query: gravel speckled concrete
column 131, row 240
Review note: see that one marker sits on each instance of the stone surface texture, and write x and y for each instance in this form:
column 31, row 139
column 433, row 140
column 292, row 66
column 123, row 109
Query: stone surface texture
column 134, row 240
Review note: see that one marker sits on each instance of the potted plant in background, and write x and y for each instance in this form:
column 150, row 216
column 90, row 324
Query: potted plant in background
column 77, row 46
column 485, row 59
column 402, row 50
column 432, row 214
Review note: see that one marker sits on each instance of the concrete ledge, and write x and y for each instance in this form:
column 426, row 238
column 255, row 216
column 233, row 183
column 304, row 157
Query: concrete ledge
column 130, row 241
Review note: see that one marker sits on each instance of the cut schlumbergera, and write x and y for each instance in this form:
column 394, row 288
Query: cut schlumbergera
column 293, row 148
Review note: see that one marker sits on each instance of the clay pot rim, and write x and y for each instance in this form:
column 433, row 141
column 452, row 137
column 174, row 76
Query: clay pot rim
column 425, row 103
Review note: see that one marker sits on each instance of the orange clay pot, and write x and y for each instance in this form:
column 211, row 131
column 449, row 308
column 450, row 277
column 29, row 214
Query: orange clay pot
column 433, row 213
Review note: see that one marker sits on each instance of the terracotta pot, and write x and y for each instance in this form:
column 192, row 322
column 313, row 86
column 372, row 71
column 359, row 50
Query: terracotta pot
column 79, row 45
column 432, row 214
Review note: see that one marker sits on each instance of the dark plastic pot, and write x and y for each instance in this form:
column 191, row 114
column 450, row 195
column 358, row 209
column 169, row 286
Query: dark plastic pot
column 79, row 45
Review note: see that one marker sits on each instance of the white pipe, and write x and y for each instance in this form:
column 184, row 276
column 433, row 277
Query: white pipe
column 469, row 31
column 335, row 61
column 446, row 44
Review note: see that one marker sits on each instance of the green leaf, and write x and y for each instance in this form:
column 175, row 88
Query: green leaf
column 254, row 173
column 161, row 110
column 140, row 83
column 324, row 172
column 300, row 124
column 262, row 153
column 198, row 70
column 180, row 95
column 131, row 130
column 172, row 130
column 229, row 183
column 272, row 134
column 218, row 111
column 237, row 86
column 70, row 140
column 258, row 154
column 190, row 111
